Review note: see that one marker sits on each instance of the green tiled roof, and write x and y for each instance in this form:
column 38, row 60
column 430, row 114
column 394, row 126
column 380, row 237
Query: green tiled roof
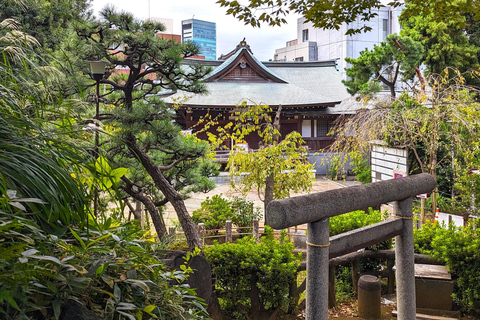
column 306, row 84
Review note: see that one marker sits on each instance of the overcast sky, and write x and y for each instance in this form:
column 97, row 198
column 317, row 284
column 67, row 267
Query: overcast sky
column 263, row 41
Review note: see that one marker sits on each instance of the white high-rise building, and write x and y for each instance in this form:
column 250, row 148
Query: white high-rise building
column 314, row 44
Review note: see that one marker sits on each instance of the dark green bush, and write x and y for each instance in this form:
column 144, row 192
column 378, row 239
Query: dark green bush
column 459, row 249
column 361, row 167
column 354, row 220
column 347, row 222
column 112, row 270
column 269, row 265
column 244, row 212
column 215, row 211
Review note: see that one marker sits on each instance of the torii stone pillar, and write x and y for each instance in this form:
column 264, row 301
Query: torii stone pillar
column 315, row 209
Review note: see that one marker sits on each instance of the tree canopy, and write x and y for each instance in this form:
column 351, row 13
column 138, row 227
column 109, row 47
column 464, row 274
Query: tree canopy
column 440, row 28
column 140, row 132
column 278, row 167
column 437, row 126
column 385, row 63
column 328, row 14
column 47, row 21
column 332, row 14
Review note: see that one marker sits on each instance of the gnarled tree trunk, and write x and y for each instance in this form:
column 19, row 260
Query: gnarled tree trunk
column 168, row 191
column 157, row 219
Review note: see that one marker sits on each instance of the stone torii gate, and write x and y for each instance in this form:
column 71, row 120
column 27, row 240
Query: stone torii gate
column 315, row 209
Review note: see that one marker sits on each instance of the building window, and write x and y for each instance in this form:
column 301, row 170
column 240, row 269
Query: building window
column 299, row 59
column 385, row 29
column 305, row 35
column 324, row 127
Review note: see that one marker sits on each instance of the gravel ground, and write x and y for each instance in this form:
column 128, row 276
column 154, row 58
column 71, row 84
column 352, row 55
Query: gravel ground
column 193, row 203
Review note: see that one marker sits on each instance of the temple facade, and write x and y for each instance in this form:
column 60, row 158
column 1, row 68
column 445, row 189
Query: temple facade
column 308, row 93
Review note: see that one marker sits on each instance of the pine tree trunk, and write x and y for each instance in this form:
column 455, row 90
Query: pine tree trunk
column 157, row 219
column 169, row 192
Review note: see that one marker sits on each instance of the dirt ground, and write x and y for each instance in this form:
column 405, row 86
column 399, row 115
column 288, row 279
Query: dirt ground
column 193, row 203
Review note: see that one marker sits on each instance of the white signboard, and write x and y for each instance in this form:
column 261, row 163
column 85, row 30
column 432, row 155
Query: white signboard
column 388, row 163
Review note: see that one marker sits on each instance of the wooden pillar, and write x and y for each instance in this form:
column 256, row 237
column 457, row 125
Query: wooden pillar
column 256, row 230
column 228, row 231
column 332, row 301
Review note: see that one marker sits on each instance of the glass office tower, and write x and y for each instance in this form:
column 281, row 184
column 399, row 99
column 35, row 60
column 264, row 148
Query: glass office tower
column 204, row 34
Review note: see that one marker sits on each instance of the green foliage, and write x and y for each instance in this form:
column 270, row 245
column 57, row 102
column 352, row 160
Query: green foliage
column 215, row 211
column 440, row 27
column 323, row 14
column 244, row 212
column 347, row 222
column 112, row 270
column 423, row 237
column 357, row 219
column 47, row 21
column 37, row 156
column 458, row 248
column 343, row 284
column 277, row 167
column 361, row 167
column 269, row 265
column 384, row 64
column 336, row 170
column 139, row 129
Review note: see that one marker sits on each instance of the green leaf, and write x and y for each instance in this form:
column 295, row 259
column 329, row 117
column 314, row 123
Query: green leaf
column 102, row 166
column 56, row 304
column 84, row 247
column 129, row 316
column 6, row 295
column 91, row 243
column 148, row 309
column 118, row 173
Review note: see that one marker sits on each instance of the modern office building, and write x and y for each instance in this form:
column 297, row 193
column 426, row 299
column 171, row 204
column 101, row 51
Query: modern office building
column 202, row 33
column 314, row 44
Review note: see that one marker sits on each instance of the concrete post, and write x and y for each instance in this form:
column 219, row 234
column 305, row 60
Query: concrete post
column 405, row 262
column 201, row 231
column 172, row 232
column 317, row 270
column 228, row 231
column 369, row 296
column 256, row 230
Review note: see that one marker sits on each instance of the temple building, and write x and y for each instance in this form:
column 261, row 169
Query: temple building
column 307, row 91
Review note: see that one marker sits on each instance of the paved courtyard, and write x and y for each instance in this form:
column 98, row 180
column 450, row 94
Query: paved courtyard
column 193, row 203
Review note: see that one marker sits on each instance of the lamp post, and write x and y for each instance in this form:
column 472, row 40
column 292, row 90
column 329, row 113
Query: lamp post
column 98, row 71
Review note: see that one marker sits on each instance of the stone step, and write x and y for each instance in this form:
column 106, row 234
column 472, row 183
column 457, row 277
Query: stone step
column 421, row 316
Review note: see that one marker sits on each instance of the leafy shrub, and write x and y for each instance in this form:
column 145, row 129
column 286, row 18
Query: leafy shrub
column 459, row 249
column 361, row 167
column 269, row 265
column 347, row 222
column 112, row 270
column 244, row 211
column 215, row 211
column 423, row 237
column 343, row 284
column 354, row 220
column 336, row 170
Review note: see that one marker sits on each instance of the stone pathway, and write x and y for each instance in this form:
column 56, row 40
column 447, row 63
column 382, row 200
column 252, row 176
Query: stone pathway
column 193, row 203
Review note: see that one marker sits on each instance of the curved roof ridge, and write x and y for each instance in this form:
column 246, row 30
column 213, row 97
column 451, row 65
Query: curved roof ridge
column 230, row 64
